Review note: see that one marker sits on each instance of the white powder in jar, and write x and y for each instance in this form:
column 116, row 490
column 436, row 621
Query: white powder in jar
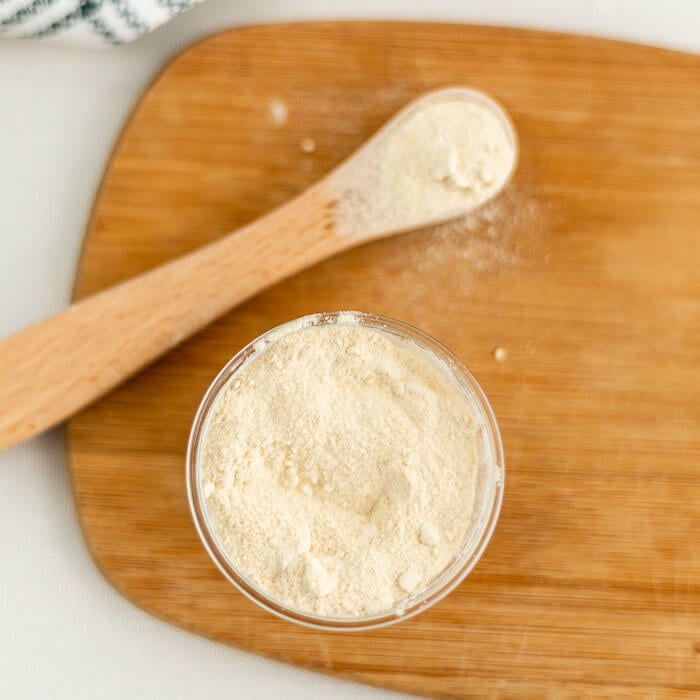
column 339, row 468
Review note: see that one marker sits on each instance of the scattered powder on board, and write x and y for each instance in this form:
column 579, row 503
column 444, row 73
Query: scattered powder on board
column 307, row 145
column 500, row 354
column 278, row 111
column 474, row 255
column 446, row 157
column 498, row 236
column 339, row 469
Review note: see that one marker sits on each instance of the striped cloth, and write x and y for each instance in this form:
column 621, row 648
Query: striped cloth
column 91, row 22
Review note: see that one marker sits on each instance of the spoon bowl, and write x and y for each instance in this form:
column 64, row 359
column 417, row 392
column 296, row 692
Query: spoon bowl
column 354, row 168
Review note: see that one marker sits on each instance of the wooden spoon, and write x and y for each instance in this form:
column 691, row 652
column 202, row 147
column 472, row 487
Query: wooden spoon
column 57, row 366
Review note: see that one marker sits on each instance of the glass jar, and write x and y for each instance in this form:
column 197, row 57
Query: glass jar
column 488, row 489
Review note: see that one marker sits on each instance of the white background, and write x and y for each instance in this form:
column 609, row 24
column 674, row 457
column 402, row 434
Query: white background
column 64, row 632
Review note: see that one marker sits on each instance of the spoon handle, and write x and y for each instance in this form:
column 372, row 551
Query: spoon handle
column 58, row 366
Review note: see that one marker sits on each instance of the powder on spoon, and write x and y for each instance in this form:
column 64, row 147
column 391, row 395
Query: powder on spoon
column 446, row 157
column 339, row 468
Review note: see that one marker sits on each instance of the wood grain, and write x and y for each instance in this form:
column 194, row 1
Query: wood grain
column 585, row 271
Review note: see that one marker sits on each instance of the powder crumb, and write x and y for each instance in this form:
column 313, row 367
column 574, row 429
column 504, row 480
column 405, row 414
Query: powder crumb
column 389, row 469
column 284, row 558
column 409, row 580
column 278, row 111
column 382, row 602
column 500, row 354
column 429, row 534
column 307, row 145
column 208, row 489
column 303, row 540
column 318, row 581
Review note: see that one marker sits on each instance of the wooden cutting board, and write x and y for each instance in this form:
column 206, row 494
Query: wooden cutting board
column 585, row 272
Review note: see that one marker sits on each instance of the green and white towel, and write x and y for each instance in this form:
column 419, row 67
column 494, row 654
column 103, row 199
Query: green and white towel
column 86, row 21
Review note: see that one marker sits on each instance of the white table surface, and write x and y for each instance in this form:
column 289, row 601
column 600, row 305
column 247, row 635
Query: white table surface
column 64, row 632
